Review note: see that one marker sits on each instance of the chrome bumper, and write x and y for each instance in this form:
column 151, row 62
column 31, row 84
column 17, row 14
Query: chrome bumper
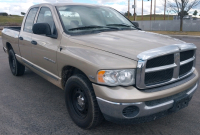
column 114, row 110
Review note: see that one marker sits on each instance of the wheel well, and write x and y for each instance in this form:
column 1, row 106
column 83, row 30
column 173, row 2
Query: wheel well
column 69, row 71
column 8, row 46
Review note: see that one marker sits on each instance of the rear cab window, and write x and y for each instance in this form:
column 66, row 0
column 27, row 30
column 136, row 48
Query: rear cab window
column 30, row 20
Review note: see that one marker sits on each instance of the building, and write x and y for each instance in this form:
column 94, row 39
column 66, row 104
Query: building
column 196, row 17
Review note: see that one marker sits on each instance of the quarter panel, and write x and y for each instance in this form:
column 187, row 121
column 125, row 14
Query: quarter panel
column 11, row 37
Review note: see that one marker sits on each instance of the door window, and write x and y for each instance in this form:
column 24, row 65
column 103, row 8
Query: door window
column 45, row 16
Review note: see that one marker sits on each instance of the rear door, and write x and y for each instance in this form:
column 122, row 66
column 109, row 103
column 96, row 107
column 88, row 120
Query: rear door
column 44, row 53
column 26, row 33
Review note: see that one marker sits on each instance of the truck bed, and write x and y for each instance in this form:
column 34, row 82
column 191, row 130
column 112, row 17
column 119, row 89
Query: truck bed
column 11, row 35
column 14, row 28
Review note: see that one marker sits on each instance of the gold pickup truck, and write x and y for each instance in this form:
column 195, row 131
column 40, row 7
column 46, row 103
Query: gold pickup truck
column 108, row 68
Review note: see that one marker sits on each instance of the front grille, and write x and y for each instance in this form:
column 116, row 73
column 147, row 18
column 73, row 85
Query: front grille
column 160, row 61
column 184, row 69
column 154, row 70
column 158, row 77
column 186, row 55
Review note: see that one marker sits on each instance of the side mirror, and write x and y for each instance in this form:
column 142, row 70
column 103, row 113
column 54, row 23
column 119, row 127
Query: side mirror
column 136, row 24
column 43, row 29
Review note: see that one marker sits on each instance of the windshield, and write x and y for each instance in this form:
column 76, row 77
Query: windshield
column 83, row 19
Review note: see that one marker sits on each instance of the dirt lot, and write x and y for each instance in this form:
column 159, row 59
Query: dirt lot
column 31, row 105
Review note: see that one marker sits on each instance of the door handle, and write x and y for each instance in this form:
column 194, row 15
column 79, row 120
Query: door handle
column 34, row 42
column 21, row 38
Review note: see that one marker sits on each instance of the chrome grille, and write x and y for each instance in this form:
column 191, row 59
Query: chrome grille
column 184, row 69
column 158, row 77
column 160, row 61
column 165, row 65
column 186, row 55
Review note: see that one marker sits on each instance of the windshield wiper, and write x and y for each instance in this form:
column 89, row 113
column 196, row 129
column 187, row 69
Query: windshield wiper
column 90, row 27
column 125, row 25
column 86, row 27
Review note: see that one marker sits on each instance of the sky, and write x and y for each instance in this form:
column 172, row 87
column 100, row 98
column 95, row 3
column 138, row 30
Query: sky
column 15, row 7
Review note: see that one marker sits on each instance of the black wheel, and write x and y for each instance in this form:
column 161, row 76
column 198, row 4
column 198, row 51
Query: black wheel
column 81, row 102
column 16, row 68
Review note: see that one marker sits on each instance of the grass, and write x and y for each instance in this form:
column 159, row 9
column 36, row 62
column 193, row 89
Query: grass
column 147, row 17
column 177, row 33
column 11, row 20
column 17, row 20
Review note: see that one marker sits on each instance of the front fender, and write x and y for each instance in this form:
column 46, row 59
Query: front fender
column 90, row 60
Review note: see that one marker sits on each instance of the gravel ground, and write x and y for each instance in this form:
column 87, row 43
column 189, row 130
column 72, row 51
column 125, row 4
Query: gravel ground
column 32, row 105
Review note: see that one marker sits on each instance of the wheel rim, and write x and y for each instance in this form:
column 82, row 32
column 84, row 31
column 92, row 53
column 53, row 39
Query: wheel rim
column 12, row 63
column 79, row 102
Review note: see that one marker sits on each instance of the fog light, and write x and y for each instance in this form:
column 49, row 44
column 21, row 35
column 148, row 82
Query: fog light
column 130, row 111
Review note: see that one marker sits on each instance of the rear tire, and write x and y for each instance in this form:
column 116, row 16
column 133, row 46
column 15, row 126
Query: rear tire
column 16, row 68
column 81, row 102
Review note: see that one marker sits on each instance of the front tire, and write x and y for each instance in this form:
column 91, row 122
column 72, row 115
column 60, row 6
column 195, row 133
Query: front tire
column 81, row 102
column 16, row 68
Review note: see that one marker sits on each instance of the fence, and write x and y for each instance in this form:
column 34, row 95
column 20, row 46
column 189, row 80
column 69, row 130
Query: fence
column 170, row 25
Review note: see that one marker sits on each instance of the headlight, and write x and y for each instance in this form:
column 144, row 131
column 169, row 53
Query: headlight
column 124, row 77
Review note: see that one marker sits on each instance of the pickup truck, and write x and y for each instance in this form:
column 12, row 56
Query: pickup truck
column 108, row 68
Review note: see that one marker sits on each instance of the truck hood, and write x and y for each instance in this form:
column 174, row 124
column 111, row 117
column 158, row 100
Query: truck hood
column 126, row 43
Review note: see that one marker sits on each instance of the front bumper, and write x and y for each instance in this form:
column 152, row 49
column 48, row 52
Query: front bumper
column 115, row 109
column 147, row 104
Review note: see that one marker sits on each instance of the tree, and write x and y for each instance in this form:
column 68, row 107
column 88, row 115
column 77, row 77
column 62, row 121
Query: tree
column 22, row 13
column 126, row 13
column 184, row 13
column 195, row 13
column 4, row 14
column 181, row 7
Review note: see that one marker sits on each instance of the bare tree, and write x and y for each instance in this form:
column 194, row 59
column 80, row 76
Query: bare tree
column 182, row 6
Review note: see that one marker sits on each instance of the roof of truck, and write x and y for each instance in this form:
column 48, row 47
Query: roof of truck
column 63, row 4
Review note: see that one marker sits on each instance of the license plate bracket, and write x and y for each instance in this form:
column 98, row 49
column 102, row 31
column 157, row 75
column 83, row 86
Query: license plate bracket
column 180, row 103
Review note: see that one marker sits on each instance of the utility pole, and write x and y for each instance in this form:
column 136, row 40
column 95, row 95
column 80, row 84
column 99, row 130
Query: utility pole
column 128, row 8
column 168, row 14
column 165, row 9
column 142, row 8
column 134, row 9
column 154, row 10
column 151, row 10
